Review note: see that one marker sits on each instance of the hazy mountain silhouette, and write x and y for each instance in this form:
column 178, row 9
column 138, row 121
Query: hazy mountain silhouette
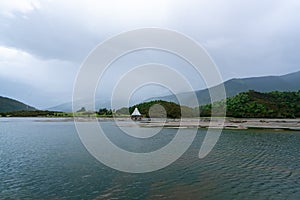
column 67, row 107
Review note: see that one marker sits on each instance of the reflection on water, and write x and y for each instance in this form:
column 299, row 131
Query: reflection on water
column 47, row 160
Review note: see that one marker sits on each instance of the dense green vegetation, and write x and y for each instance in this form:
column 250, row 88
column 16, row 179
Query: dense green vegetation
column 9, row 105
column 172, row 109
column 46, row 113
column 261, row 105
column 166, row 109
column 104, row 112
column 33, row 113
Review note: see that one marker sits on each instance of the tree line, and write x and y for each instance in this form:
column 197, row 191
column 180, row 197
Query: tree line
column 251, row 104
column 254, row 104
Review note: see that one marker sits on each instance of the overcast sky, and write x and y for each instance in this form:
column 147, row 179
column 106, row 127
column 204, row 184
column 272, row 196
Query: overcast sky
column 43, row 43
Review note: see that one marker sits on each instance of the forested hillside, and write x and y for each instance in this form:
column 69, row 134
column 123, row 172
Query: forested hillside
column 170, row 109
column 261, row 105
column 9, row 105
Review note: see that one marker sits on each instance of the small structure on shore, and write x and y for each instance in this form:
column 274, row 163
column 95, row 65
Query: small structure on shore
column 136, row 115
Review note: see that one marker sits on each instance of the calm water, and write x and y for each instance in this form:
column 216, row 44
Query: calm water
column 47, row 160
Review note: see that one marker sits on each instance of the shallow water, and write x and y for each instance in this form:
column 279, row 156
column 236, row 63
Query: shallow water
column 42, row 159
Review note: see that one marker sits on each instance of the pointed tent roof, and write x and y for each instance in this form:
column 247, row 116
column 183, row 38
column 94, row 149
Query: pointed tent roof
column 136, row 112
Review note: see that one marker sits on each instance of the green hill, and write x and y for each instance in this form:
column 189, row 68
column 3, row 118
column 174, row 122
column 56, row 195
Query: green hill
column 254, row 104
column 170, row 109
column 251, row 104
column 9, row 105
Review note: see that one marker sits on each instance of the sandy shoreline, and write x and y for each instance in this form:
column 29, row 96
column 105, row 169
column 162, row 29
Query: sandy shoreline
column 229, row 123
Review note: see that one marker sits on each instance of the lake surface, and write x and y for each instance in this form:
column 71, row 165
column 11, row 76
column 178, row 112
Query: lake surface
column 46, row 160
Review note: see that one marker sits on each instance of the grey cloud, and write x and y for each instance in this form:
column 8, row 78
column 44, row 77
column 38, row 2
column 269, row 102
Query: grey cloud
column 47, row 37
column 245, row 38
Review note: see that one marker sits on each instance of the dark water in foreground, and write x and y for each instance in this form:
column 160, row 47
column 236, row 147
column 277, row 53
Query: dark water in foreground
column 46, row 160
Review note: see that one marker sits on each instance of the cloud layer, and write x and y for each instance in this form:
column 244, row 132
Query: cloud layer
column 43, row 43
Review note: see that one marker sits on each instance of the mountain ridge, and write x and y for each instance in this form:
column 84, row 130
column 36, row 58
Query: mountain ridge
column 234, row 86
column 8, row 105
column 287, row 82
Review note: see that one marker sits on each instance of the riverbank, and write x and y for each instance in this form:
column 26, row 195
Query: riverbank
column 218, row 123
column 228, row 123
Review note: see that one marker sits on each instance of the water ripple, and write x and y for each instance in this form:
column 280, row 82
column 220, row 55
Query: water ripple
column 47, row 161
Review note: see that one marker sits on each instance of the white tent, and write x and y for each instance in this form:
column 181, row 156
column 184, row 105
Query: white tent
column 136, row 112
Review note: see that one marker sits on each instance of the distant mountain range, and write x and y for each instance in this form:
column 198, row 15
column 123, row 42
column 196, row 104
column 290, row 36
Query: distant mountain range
column 288, row 82
column 8, row 105
column 67, row 107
